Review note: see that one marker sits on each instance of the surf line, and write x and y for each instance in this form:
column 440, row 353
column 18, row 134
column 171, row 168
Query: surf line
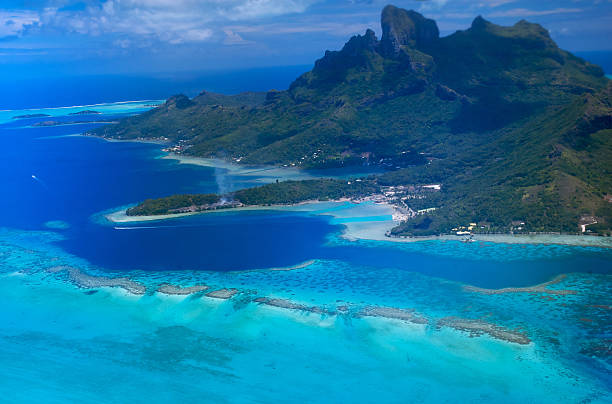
column 147, row 227
column 142, row 227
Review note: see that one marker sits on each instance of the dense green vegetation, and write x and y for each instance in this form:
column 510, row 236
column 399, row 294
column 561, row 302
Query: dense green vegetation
column 514, row 128
column 548, row 183
column 288, row 192
column 280, row 193
column 248, row 98
column 171, row 204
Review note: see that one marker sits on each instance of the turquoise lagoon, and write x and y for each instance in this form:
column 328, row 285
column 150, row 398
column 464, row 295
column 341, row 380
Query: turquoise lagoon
column 63, row 339
column 109, row 108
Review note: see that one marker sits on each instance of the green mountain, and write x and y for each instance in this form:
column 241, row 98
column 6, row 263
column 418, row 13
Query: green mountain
column 250, row 99
column 514, row 128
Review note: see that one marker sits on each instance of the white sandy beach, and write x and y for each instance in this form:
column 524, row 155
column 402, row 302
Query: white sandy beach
column 371, row 221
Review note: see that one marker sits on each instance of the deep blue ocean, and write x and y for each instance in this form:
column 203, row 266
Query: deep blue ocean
column 25, row 88
column 63, row 342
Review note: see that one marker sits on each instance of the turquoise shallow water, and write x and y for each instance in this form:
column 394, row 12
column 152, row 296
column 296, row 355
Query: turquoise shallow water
column 66, row 343
column 64, row 340
column 7, row 115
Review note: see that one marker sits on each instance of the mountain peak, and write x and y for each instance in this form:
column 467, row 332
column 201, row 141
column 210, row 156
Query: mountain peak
column 405, row 28
column 358, row 43
column 480, row 23
column 180, row 101
column 354, row 53
column 523, row 29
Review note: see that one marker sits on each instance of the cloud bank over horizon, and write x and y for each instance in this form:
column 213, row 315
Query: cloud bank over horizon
column 166, row 35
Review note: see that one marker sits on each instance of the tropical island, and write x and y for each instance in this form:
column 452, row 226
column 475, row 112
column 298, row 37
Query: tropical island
column 280, row 193
column 29, row 116
column 86, row 112
column 510, row 132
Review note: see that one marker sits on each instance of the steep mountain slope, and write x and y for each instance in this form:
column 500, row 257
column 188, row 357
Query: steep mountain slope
column 248, row 98
column 550, row 173
column 514, row 128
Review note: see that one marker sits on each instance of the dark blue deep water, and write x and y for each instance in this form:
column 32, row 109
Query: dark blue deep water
column 23, row 89
column 49, row 176
column 77, row 177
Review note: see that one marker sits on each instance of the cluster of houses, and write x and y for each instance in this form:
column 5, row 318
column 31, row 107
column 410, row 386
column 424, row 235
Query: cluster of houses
column 176, row 148
column 465, row 230
column 409, row 191
column 398, row 195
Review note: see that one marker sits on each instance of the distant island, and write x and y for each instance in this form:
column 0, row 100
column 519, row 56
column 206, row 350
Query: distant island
column 85, row 112
column 515, row 132
column 28, row 116
column 63, row 123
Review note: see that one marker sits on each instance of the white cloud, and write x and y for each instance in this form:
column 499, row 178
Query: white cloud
column 523, row 12
column 233, row 38
column 432, row 4
column 264, row 8
column 195, row 35
column 496, row 3
column 122, row 43
column 332, row 28
column 13, row 23
column 171, row 21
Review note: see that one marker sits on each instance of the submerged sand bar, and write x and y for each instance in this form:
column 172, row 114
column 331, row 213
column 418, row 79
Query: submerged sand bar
column 222, row 293
column 473, row 327
column 541, row 288
column 293, row 267
column 477, row 327
column 288, row 304
column 88, row 281
column 393, row 313
column 169, row 289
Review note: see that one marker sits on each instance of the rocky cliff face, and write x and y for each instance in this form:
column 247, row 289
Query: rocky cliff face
column 403, row 32
column 178, row 102
column 405, row 28
column 352, row 54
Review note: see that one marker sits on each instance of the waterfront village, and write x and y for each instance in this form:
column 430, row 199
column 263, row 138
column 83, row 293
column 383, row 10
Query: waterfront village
column 402, row 195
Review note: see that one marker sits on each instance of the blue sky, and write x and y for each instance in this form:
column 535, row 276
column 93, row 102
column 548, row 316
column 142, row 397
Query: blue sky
column 148, row 36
